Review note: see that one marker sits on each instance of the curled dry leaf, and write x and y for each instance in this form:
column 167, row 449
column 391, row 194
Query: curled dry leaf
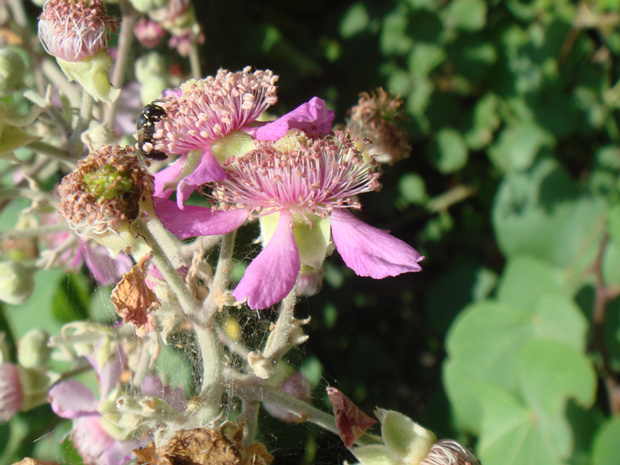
column 134, row 301
column 352, row 423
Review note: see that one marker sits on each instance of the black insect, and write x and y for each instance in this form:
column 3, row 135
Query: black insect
column 145, row 125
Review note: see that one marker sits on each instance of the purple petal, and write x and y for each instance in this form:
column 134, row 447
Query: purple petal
column 110, row 374
column 90, row 439
column 71, row 399
column 195, row 221
column 120, row 452
column 105, row 269
column 312, row 117
column 272, row 274
column 207, row 170
column 168, row 175
column 370, row 251
column 174, row 396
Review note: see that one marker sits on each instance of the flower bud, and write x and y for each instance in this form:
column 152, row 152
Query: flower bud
column 76, row 32
column 33, row 351
column 12, row 68
column 407, row 443
column 16, row 283
column 105, row 194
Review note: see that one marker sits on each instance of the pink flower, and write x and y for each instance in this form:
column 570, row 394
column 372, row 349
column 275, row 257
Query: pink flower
column 301, row 190
column 74, row 30
column 11, row 395
column 92, row 439
column 206, row 110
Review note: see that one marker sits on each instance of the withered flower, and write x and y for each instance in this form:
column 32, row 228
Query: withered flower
column 375, row 118
column 102, row 197
column 206, row 446
column 134, row 301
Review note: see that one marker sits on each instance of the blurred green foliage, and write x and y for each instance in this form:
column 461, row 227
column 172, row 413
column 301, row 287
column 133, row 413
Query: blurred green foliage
column 509, row 339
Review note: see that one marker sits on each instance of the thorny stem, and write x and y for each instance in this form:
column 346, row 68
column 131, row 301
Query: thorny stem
column 173, row 279
column 125, row 39
column 603, row 295
column 249, row 417
column 280, row 337
column 206, row 335
column 221, row 279
column 212, row 360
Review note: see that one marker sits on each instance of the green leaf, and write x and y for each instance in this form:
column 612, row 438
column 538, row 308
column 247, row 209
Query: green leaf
column 72, row 298
column 394, row 37
column 539, row 213
column 449, row 151
column 424, row 58
column 525, row 281
column 605, row 450
column 518, row 145
column 413, row 189
column 469, row 15
column 484, row 342
column 354, row 20
column 511, row 433
column 551, row 372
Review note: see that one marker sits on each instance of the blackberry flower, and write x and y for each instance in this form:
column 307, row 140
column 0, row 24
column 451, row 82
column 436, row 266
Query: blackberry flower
column 301, row 190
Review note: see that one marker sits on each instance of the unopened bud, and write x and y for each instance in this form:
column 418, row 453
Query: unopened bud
column 33, row 351
column 76, row 32
column 16, row 283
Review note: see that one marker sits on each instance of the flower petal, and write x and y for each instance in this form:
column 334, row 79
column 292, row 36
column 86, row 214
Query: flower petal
column 207, row 170
column 312, row 117
column 195, row 221
column 71, row 399
column 166, row 176
column 370, row 251
column 111, row 373
column 105, row 269
column 272, row 274
column 174, row 396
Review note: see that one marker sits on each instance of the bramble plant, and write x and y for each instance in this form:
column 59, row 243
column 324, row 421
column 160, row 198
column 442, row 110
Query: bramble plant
column 187, row 254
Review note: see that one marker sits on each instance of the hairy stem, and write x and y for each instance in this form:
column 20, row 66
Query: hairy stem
column 279, row 341
column 167, row 269
column 221, row 279
column 125, row 39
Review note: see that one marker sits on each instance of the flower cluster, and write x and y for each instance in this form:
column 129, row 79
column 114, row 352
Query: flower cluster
column 292, row 176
